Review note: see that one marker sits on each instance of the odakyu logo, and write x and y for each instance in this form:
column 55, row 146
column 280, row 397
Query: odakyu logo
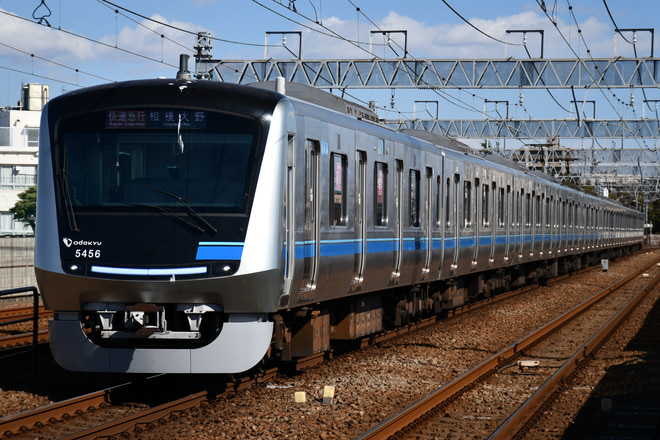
column 68, row 242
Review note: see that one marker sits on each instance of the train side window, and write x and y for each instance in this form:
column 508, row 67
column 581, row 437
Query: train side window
column 414, row 198
column 338, row 206
column 467, row 204
column 380, row 194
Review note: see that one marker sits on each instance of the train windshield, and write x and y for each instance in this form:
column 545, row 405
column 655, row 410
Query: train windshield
column 159, row 158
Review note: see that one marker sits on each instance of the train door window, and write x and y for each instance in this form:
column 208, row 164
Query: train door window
column 538, row 213
column 338, row 205
column 467, row 204
column 456, row 212
column 380, row 194
column 311, row 178
column 485, row 207
column 519, row 202
column 428, row 197
column 500, row 209
column 548, row 212
column 438, row 202
column 448, row 205
column 528, row 210
column 414, row 198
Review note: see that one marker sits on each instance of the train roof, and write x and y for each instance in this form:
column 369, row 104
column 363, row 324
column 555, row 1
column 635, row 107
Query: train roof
column 321, row 98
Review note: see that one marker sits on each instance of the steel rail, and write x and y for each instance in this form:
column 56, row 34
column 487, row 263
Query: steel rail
column 434, row 402
column 24, row 421
column 151, row 415
column 22, row 339
column 517, row 422
column 20, row 314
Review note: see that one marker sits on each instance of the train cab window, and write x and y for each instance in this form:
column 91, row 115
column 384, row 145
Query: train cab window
column 380, row 194
column 414, row 198
column 338, row 205
column 128, row 158
column 467, row 204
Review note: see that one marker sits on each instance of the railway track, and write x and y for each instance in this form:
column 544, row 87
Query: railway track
column 20, row 314
column 105, row 413
column 16, row 327
column 503, row 395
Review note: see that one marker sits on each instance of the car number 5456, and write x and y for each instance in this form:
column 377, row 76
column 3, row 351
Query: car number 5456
column 88, row 253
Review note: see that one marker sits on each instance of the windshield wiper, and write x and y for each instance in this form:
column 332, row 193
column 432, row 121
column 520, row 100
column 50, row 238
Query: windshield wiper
column 168, row 213
column 68, row 203
column 186, row 204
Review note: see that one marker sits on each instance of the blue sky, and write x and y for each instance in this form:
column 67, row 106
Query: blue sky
column 89, row 43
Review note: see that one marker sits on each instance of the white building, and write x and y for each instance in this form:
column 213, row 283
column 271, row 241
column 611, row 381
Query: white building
column 19, row 153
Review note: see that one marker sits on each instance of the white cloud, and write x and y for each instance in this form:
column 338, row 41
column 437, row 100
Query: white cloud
column 460, row 40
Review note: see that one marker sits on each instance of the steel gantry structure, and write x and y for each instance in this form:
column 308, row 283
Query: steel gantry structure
column 633, row 170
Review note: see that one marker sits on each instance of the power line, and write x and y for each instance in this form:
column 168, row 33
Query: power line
column 54, row 62
column 442, row 94
column 476, row 28
column 162, row 36
column 186, row 31
column 40, row 76
column 91, row 40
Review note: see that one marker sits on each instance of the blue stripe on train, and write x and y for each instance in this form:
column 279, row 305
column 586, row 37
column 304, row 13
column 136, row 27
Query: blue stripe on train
column 211, row 250
column 330, row 248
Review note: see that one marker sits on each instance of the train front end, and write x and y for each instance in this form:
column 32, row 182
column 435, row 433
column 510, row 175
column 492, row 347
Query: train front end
column 159, row 225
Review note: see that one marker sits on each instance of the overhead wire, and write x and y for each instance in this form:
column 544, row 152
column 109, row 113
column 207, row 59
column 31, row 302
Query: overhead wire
column 162, row 36
column 602, row 76
column 476, row 28
column 177, row 28
column 441, row 93
column 634, row 45
column 54, row 62
column 91, row 40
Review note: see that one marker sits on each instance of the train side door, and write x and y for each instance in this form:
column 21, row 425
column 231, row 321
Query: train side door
column 427, row 218
column 457, row 211
column 508, row 219
column 443, row 209
column 398, row 222
column 360, row 217
column 311, row 241
column 477, row 221
column 290, row 222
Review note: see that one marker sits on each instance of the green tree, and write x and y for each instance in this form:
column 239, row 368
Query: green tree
column 25, row 209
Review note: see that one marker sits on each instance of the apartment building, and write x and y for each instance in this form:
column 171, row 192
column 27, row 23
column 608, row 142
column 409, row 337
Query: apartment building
column 19, row 153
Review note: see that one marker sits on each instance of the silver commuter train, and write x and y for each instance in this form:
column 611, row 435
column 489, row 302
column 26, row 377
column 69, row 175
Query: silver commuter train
column 200, row 227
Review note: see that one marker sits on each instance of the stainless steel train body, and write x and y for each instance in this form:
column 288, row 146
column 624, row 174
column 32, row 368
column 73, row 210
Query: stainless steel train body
column 196, row 226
